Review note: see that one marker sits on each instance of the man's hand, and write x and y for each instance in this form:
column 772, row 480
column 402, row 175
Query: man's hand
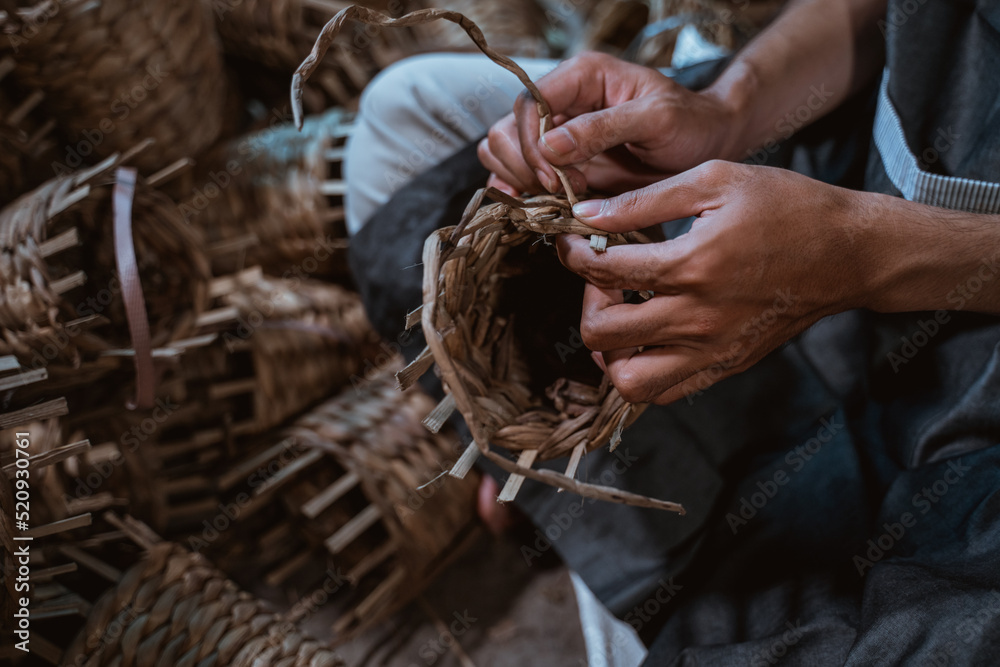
column 619, row 126
column 769, row 254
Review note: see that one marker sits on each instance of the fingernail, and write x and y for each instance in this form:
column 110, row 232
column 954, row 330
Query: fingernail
column 545, row 180
column 588, row 209
column 559, row 141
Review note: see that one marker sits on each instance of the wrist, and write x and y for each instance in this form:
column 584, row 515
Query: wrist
column 733, row 93
column 862, row 233
column 911, row 257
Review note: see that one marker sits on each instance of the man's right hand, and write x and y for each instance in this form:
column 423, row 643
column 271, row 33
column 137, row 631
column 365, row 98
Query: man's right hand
column 619, row 126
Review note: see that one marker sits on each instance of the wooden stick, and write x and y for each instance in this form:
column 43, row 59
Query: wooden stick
column 55, row 408
column 353, row 529
column 328, row 496
column 440, row 414
column 59, row 526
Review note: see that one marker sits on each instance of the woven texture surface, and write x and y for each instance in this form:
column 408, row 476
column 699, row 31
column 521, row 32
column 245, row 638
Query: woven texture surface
column 49, row 280
column 115, row 72
column 512, row 27
column 279, row 34
column 176, row 609
column 352, row 499
column 280, row 205
column 474, row 344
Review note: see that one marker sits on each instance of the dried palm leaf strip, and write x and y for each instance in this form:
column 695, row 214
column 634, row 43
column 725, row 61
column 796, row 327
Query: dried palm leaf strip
column 419, row 17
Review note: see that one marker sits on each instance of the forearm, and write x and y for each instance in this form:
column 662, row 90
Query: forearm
column 918, row 257
column 814, row 55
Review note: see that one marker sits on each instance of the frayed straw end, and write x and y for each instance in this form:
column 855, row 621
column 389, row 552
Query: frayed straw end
column 439, row 415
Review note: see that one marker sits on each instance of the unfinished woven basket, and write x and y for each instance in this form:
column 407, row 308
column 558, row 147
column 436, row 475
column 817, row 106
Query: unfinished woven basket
column 62, row 296
column 280, row 204
column 495, row 340
column 472, row 336
column 309, row 340
column 363, row 493
column 115, row 72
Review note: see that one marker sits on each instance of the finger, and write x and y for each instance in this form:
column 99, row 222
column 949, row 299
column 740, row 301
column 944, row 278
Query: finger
column 489, row 159
column 590, row 134
column 528, row 127
column 617, row 171
column 689, row 193
column 599, row 360
column 591, row 81
column 607, row 324
column 642, row 377
column 505, row 147
column 580, row 85
column 647, row 266
column 695, row 385
column 494, row 182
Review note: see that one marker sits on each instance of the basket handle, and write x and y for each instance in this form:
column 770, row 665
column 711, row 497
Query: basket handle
column 372, row 17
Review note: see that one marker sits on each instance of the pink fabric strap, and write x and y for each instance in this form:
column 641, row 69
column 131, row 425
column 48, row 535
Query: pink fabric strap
column 135, row 305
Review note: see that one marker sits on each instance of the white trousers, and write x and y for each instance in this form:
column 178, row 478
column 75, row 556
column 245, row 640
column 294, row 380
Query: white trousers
column 417, row 113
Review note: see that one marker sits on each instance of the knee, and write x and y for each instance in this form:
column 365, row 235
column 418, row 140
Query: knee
column 396, row 89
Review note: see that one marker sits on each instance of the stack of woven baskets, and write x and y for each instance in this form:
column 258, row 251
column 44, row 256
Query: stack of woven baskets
column 136, row 170
column 179, row 338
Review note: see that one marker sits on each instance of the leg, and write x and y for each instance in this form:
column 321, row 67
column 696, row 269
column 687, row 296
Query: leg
column 417, row 113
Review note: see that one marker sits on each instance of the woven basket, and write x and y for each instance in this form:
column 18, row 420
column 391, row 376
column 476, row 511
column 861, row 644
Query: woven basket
column 116, row 72
column 311, row 339
column 363, row 495
column 58, row 276
column 270, row 349
column 275, row 199
column 48, row 514
column 495, row 340
column 277, row 33
column 125, row 597
column 513, row 27
column 25, row 136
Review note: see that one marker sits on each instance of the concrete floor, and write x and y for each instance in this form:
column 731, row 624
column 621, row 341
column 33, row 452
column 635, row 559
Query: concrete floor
column 507, row 615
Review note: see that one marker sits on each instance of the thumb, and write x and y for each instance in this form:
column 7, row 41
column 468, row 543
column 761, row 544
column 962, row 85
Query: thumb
column 687, row 194
column 581, row 138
